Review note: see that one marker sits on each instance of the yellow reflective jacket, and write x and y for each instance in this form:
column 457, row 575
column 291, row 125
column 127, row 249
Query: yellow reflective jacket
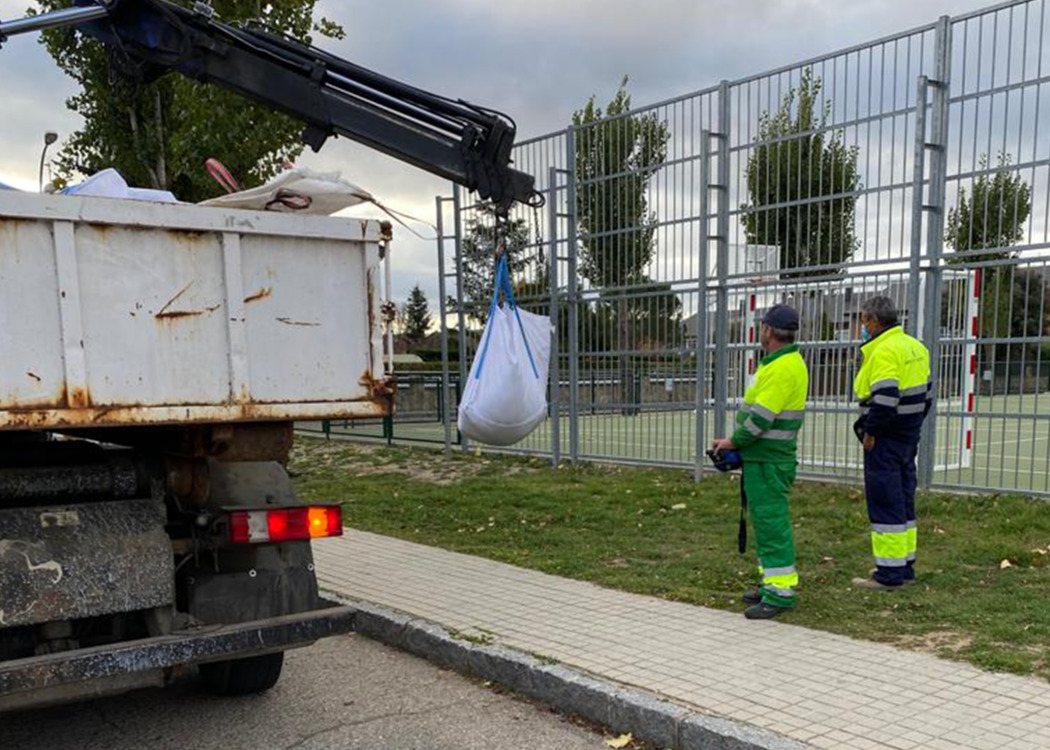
column 774, row 408
column 893, row 385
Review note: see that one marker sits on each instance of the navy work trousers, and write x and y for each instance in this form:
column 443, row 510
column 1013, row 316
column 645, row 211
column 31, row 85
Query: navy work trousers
column 889, row 484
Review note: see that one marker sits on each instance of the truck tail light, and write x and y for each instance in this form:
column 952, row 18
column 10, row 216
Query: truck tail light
column 285, row 524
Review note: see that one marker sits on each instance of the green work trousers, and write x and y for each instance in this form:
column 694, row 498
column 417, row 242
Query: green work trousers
column 766, row 486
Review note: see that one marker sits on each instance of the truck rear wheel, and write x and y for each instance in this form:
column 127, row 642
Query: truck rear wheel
column 255, row 674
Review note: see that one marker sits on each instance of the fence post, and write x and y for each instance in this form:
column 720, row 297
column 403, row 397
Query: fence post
column 917, row 208
column 461, row 319
column 555, row 364
column 573, row 301
column 446, row 412
column 721, row 236
column 701, row 304
column 936, row 208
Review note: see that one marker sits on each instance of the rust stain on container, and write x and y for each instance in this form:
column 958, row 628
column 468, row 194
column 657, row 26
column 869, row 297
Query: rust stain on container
column 290, row 322
column 172, row 301
column 176, row 314
column 379, row 390
column 263, row 293
column 371, row 320
column 79, row 398
column 377, row 404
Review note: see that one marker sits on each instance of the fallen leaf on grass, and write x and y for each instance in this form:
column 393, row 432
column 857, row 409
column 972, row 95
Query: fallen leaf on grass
column 1005, row 564
column 618, row 742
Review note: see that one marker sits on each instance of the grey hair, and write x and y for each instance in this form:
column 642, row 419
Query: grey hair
column 881, row 309
column 783, row 335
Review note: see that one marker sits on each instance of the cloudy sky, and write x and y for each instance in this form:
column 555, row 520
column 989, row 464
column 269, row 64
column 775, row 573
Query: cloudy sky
column 537, row 60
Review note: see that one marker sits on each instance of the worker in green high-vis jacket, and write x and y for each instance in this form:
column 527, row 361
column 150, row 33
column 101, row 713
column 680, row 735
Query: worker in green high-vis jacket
column 767, row 438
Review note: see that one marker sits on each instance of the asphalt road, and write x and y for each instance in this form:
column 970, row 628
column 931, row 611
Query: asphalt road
column 342, row 693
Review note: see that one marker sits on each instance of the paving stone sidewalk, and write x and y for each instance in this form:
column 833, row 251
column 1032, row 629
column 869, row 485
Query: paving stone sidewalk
column 824, row 690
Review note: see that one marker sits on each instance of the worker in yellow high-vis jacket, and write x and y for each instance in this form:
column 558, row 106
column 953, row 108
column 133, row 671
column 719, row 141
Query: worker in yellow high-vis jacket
column 767, row 438
column 895, row 393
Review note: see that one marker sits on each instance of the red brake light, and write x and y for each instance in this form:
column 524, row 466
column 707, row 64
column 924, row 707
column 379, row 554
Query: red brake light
column 285, row 524
column 239, row 528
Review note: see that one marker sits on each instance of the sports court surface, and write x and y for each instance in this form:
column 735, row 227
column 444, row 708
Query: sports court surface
column 1009, row 440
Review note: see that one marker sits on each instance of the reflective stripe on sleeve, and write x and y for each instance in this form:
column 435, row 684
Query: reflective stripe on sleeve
column 761, row 411
column 887, row 383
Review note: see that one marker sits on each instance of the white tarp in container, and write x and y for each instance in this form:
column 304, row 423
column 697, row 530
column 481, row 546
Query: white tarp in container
column 110, row 184
column 298, row 190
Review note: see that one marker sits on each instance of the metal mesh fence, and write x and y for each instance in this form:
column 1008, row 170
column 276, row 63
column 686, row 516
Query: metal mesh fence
column 916, row 166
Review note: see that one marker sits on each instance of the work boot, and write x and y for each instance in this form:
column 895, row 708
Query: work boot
column 870, row 584
column 752, row 597
column 907, row 581
column 763, row 611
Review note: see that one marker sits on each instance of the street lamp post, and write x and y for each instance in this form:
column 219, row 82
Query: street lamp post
column 49, row 138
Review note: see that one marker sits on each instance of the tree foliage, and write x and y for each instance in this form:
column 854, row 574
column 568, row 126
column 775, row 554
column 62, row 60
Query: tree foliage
column 617, row 155
column 416, row 316
column 527, row 271
column 797, row 158
column 159, row 134
column 990, row 218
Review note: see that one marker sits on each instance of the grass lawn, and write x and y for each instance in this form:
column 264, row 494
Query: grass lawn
column 656, row 532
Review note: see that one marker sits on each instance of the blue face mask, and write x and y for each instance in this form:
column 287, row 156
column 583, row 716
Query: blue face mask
column 865, row 335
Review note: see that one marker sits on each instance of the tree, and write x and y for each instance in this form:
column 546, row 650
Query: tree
column 417, row 318
column 158, row 134
column 992, row 215
column 479, row 262
column 617, row 154
column 797, row 158
column 991, row 218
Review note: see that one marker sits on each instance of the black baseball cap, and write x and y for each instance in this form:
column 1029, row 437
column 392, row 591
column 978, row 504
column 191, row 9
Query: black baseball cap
column 783, row 317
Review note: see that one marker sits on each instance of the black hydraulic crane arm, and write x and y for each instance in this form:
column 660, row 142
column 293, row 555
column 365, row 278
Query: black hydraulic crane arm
column 456, row 140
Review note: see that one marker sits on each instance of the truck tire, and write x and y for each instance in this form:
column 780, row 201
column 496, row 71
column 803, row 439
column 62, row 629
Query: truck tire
column 254, row 674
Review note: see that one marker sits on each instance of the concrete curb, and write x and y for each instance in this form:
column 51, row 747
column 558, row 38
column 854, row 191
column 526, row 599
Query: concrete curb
column 618, row 707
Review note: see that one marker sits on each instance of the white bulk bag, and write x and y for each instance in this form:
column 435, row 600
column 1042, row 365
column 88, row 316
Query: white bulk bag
column 506, row 393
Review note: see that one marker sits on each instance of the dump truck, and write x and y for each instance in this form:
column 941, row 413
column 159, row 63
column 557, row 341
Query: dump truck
column 156, row 358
